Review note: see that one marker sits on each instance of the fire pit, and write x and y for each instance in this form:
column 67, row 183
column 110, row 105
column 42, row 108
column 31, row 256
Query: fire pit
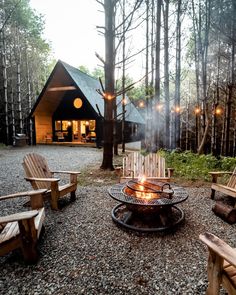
column 147, row 206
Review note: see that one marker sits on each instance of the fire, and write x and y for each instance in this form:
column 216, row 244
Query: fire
column 142, row 194
column 142, row 179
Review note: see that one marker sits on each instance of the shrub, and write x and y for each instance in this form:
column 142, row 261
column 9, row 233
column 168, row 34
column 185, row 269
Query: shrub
column 197, row 167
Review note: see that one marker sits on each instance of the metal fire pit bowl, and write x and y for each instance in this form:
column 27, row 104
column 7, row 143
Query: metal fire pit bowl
column 147, row 215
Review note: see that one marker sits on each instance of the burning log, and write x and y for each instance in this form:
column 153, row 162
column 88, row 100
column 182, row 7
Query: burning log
column 148, row 190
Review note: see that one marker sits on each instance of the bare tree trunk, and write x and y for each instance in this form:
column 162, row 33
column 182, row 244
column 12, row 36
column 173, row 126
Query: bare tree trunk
column 109, row 99
column 5, row 94
column 18, row 94
column 177, row 76
column 197, row 71
column 234, row 137
column 13, row 115
column 157, row 89
column 222, row 146
column 213, row 127
column 148, row 141
column 166, row 74
column 123, row 80
column 29, row 94
column 201, row 146
column 231, row 86
column 187, row 145
column 204, row 63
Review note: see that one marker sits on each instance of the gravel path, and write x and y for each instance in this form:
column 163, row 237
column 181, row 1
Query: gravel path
column 84, row 252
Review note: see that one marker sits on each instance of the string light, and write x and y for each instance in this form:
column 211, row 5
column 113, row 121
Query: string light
column 197, row 110
column 218, row 111
column 159, row 107
column 177, row 109
column 108, row 96
column 141, row 104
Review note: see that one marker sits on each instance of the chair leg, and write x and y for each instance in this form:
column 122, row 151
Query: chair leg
column 72, row 196
column 212, row 194
column 28, row 240
column 54, row 195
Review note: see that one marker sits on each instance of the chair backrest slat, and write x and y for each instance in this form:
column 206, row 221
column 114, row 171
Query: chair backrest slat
column 137, row 165
column 232, row 180
column 35, row 165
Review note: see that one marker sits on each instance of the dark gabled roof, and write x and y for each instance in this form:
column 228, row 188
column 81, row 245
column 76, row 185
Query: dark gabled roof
column 88, row 86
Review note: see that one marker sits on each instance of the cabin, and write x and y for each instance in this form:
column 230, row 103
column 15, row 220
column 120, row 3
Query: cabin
column 69, row 109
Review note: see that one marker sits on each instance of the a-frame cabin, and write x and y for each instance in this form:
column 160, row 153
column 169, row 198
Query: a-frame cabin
column 69, row 109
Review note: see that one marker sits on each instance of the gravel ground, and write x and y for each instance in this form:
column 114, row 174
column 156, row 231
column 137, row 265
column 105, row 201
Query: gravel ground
column 84, row 252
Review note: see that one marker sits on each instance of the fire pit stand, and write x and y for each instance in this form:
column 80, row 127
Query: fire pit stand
column 147, row 215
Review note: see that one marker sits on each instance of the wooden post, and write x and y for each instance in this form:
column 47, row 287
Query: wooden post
column 73, row 179
column 36, row 201
column 28, row 236
column 215, row 266
column 54, row 195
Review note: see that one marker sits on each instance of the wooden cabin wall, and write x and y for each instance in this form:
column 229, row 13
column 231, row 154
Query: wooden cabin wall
column 43, row 125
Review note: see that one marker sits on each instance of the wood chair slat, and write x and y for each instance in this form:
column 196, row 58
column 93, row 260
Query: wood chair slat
column 232, row 179
column 151, row 166
column 10, row 230
column 32, row 169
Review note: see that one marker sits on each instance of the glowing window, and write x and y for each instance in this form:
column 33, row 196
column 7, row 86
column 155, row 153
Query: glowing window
column 78, row 103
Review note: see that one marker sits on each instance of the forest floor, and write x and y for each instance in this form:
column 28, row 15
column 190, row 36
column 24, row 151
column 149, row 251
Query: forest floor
column 84, row 252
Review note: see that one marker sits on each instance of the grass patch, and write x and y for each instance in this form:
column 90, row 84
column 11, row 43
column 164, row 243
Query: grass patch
column 2, row 146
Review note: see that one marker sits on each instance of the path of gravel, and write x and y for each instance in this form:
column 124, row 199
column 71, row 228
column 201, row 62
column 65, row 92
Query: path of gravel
column 84, row 252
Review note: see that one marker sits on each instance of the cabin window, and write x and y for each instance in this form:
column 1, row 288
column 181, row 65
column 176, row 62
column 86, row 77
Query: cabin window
column 78, row 103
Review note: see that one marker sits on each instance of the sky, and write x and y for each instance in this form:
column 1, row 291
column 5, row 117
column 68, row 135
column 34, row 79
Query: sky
column 70, row 26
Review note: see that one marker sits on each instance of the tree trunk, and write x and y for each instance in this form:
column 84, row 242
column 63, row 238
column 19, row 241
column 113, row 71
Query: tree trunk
column 109, row 99
column 5, row 94
column 123, row 80
column 166, row 74
column 231, row 85
column 177, row 77
column 157, row 86
column 148, row 141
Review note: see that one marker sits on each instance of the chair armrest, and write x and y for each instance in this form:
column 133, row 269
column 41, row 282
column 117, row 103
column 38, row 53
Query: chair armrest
column 219, row 247
column 216, row 174
column 67, row 172
column 19, row 216
column 220, row 173
column 42, row 179
column 23, row 194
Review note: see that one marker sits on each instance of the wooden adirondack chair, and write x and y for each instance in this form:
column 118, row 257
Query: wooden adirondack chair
column 152, row 166
column 228, row 189
column 221, row 267
column 22, row 230
column 40, row 177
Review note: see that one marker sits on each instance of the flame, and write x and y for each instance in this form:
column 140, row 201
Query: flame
column 144, row 195
column 142, row 179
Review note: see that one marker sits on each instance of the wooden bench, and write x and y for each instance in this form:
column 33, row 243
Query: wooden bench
column 229, row 188
column 22, row 230
column 40, row 177
column 152, row 166
column 221, row 267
